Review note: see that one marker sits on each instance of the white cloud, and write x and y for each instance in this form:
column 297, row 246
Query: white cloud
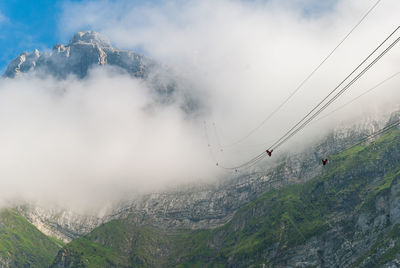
column 248, row 55
column 92, row 141
column 96, row 141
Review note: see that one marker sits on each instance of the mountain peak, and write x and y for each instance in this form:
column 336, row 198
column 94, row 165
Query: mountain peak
column 90, row 37
column 84, row 50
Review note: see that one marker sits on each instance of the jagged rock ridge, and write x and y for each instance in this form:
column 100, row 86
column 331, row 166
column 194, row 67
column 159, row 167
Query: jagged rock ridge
column 87, row 50
column 84, row 50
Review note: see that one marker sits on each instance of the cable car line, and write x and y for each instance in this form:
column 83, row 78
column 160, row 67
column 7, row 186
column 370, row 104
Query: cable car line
column 247, row 164
column 331, row 101
column 336, row 96
column 303, row 123
column 340, row 84
column 359, row 96
column 306, row 79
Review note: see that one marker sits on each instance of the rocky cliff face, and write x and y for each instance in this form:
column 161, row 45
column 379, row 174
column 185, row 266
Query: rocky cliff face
column 206, row 206
column 62, row 224
column 210, row 206
column 348, row 216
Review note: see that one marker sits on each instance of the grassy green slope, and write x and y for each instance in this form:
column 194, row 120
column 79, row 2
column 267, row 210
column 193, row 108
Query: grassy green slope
column 277, row 221
column 119, row 243
column 22, row 245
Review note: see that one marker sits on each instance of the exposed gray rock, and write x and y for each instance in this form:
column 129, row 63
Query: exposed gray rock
column 210, row 206
column 85, row 50
column 88, row 50
column 60, row 223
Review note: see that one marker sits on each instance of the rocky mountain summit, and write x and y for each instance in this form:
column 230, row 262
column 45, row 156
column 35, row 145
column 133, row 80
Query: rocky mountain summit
column 84, row 50
column 88, row 50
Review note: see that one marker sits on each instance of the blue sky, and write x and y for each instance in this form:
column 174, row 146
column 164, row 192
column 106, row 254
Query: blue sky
column 26, row 25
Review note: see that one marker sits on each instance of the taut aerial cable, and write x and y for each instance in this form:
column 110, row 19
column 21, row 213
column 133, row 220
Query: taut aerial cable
column 269, row 116
column 359, row 96
column 321, row 106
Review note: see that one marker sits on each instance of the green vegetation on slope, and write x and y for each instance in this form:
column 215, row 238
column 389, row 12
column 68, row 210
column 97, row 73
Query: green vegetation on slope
column 120, row 243
column 22, row 245
column 265, row 230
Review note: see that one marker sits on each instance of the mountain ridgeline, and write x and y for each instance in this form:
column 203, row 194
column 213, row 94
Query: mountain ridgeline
column 88, row 50
column 84, row 50
column 296, row 213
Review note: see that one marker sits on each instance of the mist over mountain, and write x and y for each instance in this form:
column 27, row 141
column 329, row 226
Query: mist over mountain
column 86, row 104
